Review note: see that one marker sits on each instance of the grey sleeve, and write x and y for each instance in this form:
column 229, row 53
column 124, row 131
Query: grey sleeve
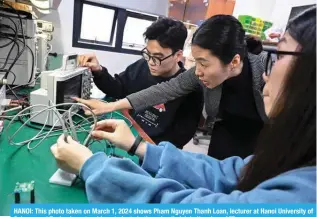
column 181, row 85
column 263, row 58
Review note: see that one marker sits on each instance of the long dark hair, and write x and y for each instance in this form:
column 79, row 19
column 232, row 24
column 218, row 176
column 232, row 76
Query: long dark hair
column 288, row 141
column 223, row 36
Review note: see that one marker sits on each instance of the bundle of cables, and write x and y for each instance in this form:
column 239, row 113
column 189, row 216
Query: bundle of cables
column 64, row 119
column 69, row 122
column 13, row 38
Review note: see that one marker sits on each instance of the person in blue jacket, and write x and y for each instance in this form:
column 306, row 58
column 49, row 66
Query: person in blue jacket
column 282, row 169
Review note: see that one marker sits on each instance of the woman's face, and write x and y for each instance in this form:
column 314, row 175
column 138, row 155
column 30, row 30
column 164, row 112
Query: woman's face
column 209, row 68
column 274, row 82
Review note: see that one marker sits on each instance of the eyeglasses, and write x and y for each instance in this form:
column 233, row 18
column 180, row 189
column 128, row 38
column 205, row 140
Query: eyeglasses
column 156, row 61
column 273, row 56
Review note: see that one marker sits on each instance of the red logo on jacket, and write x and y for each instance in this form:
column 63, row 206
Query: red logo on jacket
column 160, row 107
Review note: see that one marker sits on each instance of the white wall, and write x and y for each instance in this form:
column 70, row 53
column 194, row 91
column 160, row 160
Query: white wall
column 276, row 11
column 257, row 8
column 63, row 23
column 158, row 7
column 282, row 10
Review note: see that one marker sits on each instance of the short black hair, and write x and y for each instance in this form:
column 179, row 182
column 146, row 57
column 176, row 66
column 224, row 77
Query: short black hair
column 168, row 32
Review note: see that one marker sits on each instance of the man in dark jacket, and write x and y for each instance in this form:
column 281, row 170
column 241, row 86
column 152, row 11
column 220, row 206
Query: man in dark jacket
column 175, row 121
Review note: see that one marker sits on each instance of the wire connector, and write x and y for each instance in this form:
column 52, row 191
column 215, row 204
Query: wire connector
column 3, row 81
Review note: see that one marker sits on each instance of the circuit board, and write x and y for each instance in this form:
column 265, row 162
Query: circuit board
column 24, row 187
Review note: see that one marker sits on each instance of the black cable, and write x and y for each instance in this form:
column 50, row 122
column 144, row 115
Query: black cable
column 18, row 54
column 22, row 31
column 14, row 77
column 23, row 97
column 13, row 63
column 33, row 62
column 24, row 17
column 16, row 31
column 13, row 93
column 15, row 43
column 53, row 54
column 10, row 51
column 6, row 44
column 6, row 61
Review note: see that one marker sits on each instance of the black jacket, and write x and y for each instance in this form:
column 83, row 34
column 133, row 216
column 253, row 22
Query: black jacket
column 175, row 121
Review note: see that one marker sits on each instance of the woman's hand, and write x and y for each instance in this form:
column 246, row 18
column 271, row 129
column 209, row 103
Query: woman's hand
column 98, row 107
column 70, row 156
column 118, row 133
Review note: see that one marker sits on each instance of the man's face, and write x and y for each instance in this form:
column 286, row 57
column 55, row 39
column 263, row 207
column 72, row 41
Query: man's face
column 153, row 49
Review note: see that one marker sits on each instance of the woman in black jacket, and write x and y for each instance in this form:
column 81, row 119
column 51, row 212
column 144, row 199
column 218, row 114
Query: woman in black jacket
column 231, row 80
